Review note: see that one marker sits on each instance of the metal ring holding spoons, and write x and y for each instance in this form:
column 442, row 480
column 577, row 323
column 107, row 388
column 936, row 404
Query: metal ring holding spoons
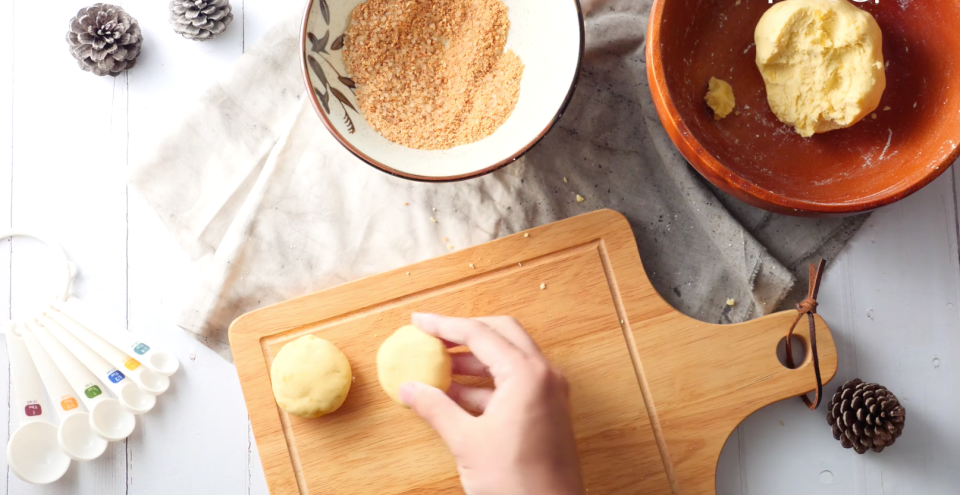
column 63, row 293
column 161, row 364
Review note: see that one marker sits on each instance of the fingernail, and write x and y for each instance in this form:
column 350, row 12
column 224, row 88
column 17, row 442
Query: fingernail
column 423, row 320
column 407, row 391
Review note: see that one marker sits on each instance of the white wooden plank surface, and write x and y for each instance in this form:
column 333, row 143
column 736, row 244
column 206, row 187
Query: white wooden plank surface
column 6, row 204
column 204, row 407
column 68, row 137
column 891, row 301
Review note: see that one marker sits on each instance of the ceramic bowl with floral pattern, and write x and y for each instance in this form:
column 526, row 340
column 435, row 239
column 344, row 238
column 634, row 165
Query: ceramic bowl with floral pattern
column 547, row 35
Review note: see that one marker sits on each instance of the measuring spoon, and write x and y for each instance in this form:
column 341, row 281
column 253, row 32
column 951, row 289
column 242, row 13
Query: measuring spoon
column 162, row 363
column 148, row 380
column 75, row 435
column 108, row 418
column 33, row 453
column 131, row 396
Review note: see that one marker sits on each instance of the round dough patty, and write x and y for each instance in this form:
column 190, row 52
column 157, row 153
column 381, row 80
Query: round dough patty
column 311, row 377
column 410, row 355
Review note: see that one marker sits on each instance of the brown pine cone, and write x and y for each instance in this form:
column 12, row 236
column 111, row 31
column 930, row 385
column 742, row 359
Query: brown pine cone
column 200, row 19
column 865, row 416
column 104, row 39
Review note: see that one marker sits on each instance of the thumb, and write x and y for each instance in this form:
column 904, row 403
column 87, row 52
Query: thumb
column 436, row 408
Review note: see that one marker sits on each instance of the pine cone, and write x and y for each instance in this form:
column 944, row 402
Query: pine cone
column 104, row 39
column 200, row 19
column 865, row 416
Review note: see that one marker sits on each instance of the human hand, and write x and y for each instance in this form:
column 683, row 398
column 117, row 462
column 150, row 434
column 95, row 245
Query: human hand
column 522, row 443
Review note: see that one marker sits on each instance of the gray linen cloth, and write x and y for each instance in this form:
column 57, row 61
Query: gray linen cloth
column 272, row 207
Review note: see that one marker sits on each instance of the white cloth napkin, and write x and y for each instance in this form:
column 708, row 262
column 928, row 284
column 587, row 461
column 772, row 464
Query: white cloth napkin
column 257, row 191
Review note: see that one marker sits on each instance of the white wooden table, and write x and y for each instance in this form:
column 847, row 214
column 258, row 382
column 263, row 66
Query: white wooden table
column 67, row 139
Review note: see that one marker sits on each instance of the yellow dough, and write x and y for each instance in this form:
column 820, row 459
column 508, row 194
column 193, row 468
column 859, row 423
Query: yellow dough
column 822, row 63
column 410, row 355
column 311, row 377
column 720, row 98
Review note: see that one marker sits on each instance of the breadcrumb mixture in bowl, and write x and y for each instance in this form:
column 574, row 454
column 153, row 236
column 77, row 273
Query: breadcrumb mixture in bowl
column 440, row 90
column 439, row 77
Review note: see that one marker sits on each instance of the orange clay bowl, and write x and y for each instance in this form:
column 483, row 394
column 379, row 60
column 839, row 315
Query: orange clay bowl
column 764, row 162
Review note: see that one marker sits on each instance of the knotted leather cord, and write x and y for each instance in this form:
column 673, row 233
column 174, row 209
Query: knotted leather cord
column 809, row 307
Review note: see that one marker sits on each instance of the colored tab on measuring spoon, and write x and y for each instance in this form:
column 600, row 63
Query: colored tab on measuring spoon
column 147, row 379
column 160, row 362
column 75, row 435
column 108, row 417
column 131, row 396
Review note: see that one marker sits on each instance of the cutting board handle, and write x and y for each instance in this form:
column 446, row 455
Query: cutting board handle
column 736, row 372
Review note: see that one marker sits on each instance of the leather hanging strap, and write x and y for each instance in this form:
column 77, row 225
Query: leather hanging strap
column 808, row 307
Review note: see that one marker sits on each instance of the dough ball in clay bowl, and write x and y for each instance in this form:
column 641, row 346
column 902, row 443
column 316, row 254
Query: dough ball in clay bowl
column 311, row 377
column 911, row 135
column 411, row 355
column 822, row 63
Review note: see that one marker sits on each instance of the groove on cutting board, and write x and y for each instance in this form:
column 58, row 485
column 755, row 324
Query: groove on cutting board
column 292, row 448
column 638, row 368
column 295, row 333
column 488, row 274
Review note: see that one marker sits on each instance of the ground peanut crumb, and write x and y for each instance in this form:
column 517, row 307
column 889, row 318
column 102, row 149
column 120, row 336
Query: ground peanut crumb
column 527, row 234
column 731, row 302
column 580, row 199
column 434, row 220
column 432, row 74
column 471, row 266
column 543, row 286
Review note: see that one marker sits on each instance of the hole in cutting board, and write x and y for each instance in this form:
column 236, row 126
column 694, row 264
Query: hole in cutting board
column 799, row 348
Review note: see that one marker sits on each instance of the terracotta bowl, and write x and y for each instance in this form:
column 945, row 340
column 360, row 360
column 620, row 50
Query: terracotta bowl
column 547, row 35
column 764, row 162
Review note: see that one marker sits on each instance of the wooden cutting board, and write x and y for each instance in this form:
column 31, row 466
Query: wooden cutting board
column 655, row 394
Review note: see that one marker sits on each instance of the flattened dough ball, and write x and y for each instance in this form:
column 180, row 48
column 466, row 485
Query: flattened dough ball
column 311, row 377
column 411, row 355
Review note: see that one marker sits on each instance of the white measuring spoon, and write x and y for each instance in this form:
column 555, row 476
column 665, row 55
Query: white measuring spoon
column 75, row 435
column 108, row 418
column 148, row 380
column 33, row 453
column 160, row 362
column 131, row 396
